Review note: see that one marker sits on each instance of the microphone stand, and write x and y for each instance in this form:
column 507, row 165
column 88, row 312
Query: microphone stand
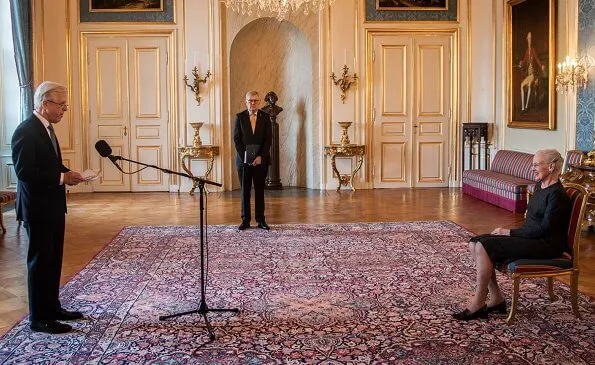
column 203, row 308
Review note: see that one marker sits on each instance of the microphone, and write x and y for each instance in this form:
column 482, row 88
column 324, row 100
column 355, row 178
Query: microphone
column 106, row 151
column 103, row 148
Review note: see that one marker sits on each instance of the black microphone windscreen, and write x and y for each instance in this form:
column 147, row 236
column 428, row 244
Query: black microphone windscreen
column 103, row 148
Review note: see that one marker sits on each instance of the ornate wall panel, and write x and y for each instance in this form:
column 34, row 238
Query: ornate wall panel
column 585, row 110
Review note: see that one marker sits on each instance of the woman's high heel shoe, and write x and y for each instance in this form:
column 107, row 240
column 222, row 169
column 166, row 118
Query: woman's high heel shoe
column 498, row 308
column 465, row 315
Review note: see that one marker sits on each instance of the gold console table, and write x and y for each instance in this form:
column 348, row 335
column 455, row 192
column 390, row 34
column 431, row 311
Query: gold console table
column 345, row 150
column 202, row 152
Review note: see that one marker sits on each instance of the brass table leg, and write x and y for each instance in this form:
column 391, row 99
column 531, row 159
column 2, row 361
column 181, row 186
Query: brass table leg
column 360, row 161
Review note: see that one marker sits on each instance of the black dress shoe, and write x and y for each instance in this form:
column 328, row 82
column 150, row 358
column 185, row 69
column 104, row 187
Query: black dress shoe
column 244, row 225
column 50, row 326
column 263, row 225
column 498, row 308
column 64, row 315
column 468, row 316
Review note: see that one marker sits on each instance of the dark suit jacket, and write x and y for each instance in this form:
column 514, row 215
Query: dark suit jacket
column 40, row 197
column 262, row 136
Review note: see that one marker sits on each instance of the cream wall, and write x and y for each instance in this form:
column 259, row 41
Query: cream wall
column 206, row 32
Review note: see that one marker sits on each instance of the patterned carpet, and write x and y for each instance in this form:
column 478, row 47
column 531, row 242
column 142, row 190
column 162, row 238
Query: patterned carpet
column 331, row 294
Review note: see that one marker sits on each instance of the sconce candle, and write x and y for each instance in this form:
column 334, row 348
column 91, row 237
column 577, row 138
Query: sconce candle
column 573, row 73
column 195, row 87
column 345, row 82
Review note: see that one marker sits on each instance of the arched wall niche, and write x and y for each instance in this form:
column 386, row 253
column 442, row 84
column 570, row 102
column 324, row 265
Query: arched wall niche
column 268, row 55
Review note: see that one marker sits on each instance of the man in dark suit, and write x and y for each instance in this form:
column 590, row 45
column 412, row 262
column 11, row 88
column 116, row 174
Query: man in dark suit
column 41, row 205
column 252, row 127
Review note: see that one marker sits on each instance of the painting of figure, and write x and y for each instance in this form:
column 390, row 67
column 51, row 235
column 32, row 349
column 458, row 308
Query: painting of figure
column 125, row 5
column 411, row 5
column 530, row 56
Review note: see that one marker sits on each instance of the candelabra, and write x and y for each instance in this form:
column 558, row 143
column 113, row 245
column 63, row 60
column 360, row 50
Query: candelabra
column 573, row 74
column 195, row 87
column 345, row 82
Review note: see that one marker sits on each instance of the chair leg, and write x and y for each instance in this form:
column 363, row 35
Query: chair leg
column 515, row 300
column 550, row 288
column 574, row 294
column 2, row 220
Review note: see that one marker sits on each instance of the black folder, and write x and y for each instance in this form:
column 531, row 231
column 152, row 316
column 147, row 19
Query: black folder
column 251, row 153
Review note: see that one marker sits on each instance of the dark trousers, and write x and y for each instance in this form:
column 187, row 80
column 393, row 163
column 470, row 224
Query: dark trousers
column 44, row 264
column 247, row 175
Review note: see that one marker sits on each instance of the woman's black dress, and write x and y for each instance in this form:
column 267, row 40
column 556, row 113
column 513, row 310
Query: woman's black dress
column 544, row 234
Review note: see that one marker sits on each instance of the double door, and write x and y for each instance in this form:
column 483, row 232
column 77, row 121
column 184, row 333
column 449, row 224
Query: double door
column 127, row 99
column 411, row 85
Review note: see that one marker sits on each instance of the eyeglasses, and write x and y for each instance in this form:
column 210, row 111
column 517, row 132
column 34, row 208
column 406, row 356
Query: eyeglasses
column 252, row 100
column 62, row 106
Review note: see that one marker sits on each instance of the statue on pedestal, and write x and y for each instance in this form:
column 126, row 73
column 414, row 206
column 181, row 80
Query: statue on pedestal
column 273, row 181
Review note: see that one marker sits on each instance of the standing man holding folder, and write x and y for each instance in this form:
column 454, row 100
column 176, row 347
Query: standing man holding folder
column 252, row 136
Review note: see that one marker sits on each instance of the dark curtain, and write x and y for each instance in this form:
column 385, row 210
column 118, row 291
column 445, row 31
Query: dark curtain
column 22, row 36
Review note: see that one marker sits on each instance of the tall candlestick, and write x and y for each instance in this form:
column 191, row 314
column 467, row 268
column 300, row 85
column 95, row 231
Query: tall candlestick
column 344, row 56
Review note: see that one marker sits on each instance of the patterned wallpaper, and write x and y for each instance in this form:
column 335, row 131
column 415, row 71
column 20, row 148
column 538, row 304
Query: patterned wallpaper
column 405, row 15
column 585, row 113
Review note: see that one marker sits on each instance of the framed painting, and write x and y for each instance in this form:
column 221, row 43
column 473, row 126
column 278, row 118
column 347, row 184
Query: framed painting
column 148, row 11
column 531, row 58
column 412, row 10
column 412, row 5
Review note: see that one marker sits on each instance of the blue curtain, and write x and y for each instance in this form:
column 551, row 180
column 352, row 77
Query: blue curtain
column 22, row 35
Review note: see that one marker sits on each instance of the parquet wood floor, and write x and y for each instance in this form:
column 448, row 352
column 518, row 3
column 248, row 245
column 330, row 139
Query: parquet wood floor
column 94, row 218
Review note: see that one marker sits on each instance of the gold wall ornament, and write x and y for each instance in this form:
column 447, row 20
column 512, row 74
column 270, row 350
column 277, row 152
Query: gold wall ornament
column 345, row 82
column 196, row 142
column 344, row 134
column 573, row 74
column 195, row 87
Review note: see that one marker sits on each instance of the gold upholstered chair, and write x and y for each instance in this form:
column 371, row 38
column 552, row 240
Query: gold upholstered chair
column 565, row 265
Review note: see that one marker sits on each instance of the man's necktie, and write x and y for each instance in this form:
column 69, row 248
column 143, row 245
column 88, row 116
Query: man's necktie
column 253, row 121
column 53, row 138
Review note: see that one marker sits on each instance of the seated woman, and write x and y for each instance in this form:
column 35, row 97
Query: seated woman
column 543, row 236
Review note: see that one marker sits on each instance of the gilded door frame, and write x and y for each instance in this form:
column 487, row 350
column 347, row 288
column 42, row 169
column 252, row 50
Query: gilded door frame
column 454, row 135
column 172, row 86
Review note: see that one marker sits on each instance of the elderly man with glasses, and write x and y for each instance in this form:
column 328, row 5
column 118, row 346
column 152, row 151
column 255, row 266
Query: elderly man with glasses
column 41, row 205
column 252, row 136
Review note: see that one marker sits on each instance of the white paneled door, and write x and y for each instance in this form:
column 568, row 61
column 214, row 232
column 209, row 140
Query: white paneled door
column 127, row 97
column 411, row 101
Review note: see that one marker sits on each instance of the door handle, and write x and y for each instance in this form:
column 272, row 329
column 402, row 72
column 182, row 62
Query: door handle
column 125, row 131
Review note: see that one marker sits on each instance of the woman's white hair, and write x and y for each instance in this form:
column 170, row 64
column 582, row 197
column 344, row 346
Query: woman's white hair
column 44, row 90
column 552, row 156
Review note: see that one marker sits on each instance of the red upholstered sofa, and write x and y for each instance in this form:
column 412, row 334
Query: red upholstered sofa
column 505, row 184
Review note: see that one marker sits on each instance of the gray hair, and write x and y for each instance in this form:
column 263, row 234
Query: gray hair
column 44, row 90
column 251, row 93
column 552, row 156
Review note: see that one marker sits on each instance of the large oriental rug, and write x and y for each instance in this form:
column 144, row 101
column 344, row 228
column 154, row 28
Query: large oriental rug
column 333, row 294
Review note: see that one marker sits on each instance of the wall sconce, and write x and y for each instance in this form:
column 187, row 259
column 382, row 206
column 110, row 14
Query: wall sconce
column 345, row 82
column 573, row 73
column 195, row 87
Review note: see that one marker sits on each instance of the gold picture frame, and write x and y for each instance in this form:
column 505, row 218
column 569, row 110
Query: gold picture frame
column 407, row 5
column 127, row 11
column 531, row 55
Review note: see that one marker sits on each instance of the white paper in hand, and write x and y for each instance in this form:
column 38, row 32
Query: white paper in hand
column 89, row 174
